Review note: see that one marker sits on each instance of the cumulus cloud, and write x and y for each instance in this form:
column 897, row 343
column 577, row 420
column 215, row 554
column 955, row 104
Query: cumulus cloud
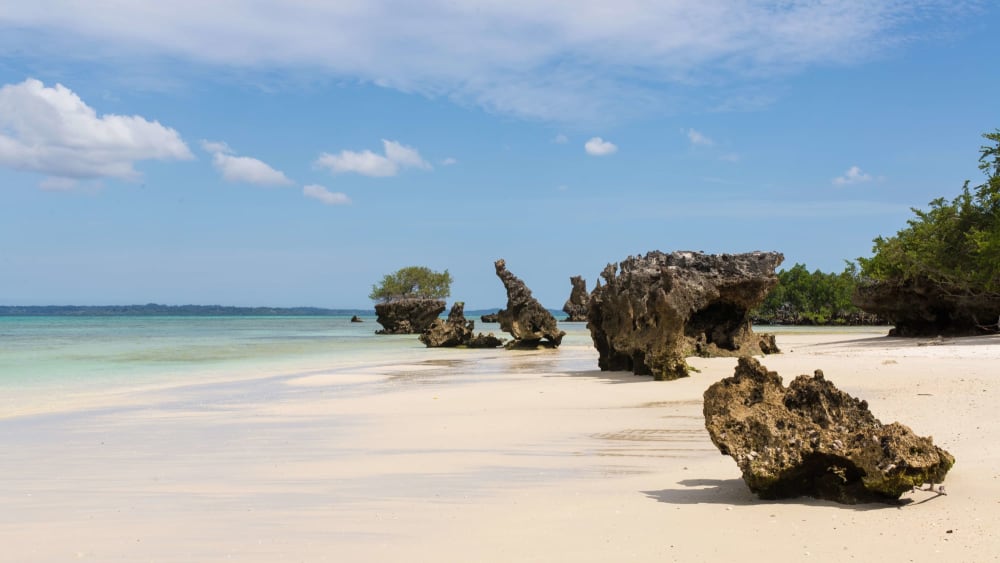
column 324, row 195
column 243, row 169
column 699, row 138
column 367, row 163
column 597, row 146
column 449, row 161
column 562, row 59
column 50, row 130
column 854, row 175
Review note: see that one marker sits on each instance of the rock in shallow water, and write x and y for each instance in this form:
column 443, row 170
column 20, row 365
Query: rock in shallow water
column 811, row 439
column 456, row 331
column 407, row 316
column 524, row 317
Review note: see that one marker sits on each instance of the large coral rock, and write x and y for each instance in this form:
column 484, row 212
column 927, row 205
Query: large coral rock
column 524, row 317
column 456, row 331
column 811, row 439
column 407, row 316
column 655, row 310
column 923, row 308
column 579, row 301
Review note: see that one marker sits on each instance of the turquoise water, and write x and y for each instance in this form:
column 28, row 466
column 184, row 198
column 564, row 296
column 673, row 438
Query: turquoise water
column 77, row 353
column 57, row 357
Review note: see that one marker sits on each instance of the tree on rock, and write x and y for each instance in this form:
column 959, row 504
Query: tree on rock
column 412, row 282
column 941, row 274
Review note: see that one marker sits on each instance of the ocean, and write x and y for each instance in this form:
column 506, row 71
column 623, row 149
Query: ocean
column 47, row 360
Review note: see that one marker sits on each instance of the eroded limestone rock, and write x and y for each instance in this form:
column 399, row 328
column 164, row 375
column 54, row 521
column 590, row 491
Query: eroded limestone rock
column 524, row 318
column 407, row 316
column 655, row 310
column 456, row 331
column 923, row 308
column 811, row 439
column 579, row 301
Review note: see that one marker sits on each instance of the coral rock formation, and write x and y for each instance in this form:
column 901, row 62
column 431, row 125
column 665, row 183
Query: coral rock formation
column 524, row 317
column 655, row 310
column 407, row 316
column 811, row 439
column 456, row 331
column 923, row 308
column 579, row 301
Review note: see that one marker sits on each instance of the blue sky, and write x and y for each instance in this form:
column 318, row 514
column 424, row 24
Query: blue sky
column 291, row 153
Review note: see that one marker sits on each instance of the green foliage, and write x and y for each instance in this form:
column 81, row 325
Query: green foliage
column 412, row 282
column 803, row 297
column 955, row 244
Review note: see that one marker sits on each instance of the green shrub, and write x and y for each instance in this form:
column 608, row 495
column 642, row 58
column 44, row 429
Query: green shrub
column 412, row 282
column 954, row 245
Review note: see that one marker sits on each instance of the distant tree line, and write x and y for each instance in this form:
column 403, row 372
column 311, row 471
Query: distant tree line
column 813, row 298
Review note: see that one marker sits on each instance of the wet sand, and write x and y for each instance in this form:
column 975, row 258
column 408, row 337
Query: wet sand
column 488, row 456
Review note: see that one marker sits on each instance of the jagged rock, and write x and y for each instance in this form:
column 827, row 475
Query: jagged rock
column 489, row 318
column 356, row 319
column 923, row 308
column 456, row 331
column 450, row 332
column 485, row 341
column 656, row 310
column 811, row 439
column 524, row 317
column 579, row 301
column 407, row 316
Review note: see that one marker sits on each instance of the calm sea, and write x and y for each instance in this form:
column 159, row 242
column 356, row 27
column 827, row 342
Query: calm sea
column 56, row 358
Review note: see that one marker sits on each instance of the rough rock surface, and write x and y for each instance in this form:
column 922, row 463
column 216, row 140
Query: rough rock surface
column 489, row 318
column 927, row 309
column 407, row 316
column 524, row 317
column 657, row 309
column 356, row 319
column 811, row 439
column 456, row 331
column 579, row 301
column 485, row 341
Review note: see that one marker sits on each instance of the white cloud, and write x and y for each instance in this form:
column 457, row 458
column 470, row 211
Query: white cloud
column 243, row 169
column 50, row 130
column 216, row 146
column 367, row 163
column 854, row 175
column 597, row 146
column 449, row 161
column 561, row 59
column 560, row 139
column 248, row 170
column 324, row 195
column 699, row 138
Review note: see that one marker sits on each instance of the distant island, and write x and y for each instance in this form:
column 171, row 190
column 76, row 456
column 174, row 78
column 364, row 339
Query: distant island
column 156, row 310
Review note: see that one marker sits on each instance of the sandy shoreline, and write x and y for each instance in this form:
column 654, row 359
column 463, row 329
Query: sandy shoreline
column 492, row 456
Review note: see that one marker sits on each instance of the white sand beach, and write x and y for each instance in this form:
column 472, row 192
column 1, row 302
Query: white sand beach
column 461, row 455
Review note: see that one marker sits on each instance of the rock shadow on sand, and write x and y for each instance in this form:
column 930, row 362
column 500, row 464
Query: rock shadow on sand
column 734, row 492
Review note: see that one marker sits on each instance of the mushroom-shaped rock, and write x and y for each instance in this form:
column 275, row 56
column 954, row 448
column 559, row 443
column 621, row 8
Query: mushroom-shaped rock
column 653, row 311
column 407, row 316
column 524, row 317
column 811, row 439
